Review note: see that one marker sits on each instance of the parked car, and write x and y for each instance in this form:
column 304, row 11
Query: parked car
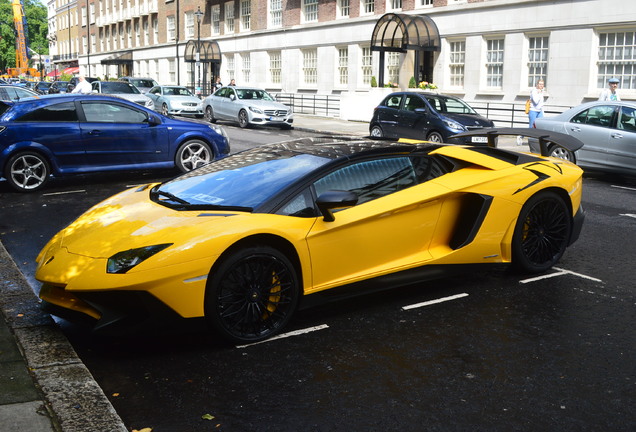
column 10, row 92
column 175, row 100
column 124, row 90
column 242, row 240
column 76, row 134
column 247, row 106
column 42, row 87
column 73, row 82
column 143, row 84
column 423, row 115
column 607, row 130
column 58, row 87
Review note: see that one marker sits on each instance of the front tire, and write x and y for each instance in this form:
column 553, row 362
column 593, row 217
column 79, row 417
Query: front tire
column 164, row 109
column 193, row 154
column 435, row 137
column 542, row 233
column 209, row 114
column 27, row 171
column 252, row 294
column 243, row 119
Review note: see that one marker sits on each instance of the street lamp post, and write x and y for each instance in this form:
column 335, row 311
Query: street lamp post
column 199, row 16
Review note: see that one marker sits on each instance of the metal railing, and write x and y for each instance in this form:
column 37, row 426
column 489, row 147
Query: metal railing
column 314, row 104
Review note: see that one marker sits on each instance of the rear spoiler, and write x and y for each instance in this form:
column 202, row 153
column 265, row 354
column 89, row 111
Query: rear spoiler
column 545, row 137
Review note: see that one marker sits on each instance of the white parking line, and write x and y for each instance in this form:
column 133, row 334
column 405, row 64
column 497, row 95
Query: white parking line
column 63, row 193
column 628, row 215
column 286, row 335
column 431, row 302
column 624, row 187
column 560, row 272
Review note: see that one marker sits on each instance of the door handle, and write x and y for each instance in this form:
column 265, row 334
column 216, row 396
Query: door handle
column 95, row 132
column 617, row 135
column 575, row 129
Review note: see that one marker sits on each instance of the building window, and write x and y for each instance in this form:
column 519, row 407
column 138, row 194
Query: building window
column 137, row 34
column 84, row 17
column 189, row 25
column 457, row 60
column 310, row 66
column 343, row 66
column 275, row 13
column 275, row 66
column 367, row 65
column 343, row 8
column 170, row 28
column 129, row 35
column 310, row 10
column 155, row 30
column 172, row 71
column 216, row 19
column 229, row 67
column 537, row 60
column 494, row 63
column 229, row 17
column 394, row 4
column 617, row 59
column 393, row 67
column 247, row 67
column 426, row 2
column 367, row 7
column 246, row 11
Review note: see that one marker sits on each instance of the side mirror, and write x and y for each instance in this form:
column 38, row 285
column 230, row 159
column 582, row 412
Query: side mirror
column 232, row 96
column 335, row 199
column 154, row 120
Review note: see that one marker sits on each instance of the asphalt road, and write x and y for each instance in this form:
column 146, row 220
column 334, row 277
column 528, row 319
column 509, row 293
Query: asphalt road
column 493, row 351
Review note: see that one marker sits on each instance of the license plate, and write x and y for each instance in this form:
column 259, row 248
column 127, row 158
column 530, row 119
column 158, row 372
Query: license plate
column 276, row 119
column 483, row 140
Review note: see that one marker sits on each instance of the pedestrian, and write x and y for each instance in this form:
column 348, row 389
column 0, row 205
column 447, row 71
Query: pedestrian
column 609, row 94
column 217, row 84
column 232, row 82
column 536, row 103
column 83, row 86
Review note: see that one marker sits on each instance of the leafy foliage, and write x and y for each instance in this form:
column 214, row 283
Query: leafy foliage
column 37, row 29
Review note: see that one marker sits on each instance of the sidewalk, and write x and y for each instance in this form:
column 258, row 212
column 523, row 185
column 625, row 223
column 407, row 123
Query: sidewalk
column 44, row 385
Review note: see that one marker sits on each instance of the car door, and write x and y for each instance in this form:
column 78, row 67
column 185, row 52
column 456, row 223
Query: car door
column 219, row 102
column 390, row 228
column 155, row 95
column 116, row 134
column 593, row 127
column 621, row 147
column 413, row 118
column 389, row 115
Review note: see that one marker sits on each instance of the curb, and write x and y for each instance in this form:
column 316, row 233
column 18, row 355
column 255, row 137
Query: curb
column 72, row 397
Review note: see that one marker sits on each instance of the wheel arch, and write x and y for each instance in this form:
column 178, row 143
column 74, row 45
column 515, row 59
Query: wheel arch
column 14, row 149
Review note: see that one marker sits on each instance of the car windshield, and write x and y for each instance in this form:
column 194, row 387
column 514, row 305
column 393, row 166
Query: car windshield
column 243, row 181
column 449, row 105
column 114, row 87
column 177, row 91
column 143, row 83
column 256, row 94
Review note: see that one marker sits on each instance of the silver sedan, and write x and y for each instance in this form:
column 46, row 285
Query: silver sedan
column 607, row 130
column 247, row 106
column 175, row 100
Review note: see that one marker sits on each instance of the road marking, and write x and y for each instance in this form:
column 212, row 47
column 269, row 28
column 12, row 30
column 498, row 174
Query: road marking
column 432, row 302
column 624, row 187
column 560, row 272
column 64, row 193
column 289, row 334
column 628, row 215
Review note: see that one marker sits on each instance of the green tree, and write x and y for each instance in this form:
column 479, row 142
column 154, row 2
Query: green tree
column 37, row 29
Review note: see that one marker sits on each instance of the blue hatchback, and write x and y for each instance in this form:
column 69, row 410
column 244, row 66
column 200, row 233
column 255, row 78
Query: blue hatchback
column 77, row 134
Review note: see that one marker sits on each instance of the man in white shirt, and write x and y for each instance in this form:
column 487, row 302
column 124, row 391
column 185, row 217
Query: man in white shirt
column 83, row 86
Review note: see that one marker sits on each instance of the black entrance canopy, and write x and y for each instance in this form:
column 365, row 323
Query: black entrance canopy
column 209, row 52
column 119, row 59
column 400, row 33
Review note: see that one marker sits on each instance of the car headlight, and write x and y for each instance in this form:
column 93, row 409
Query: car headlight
column 150, row 104
column 218, row 129
column 256, row 110
column 123, row 261
column 454, row 125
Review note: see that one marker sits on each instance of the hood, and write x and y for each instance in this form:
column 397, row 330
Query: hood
column 469, row 120
column 265, row 105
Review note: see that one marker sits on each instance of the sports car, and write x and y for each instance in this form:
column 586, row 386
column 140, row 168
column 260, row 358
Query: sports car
column 241, row 240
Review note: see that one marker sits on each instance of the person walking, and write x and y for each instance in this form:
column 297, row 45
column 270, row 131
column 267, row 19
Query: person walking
column 609, row 94
column 83, row 86
column 536, row 103
column 217, row 84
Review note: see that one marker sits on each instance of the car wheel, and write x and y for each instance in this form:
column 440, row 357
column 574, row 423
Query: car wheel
column 435, row 137
column 27, row 171
column 561, row 153
column 542, row 233
column 164, row 109
column 193, row 154
column 252, row 294
column 209, row 114
column 243, row 119
column 376, row 132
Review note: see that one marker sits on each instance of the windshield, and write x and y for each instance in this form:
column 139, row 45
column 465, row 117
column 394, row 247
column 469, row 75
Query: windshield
column 256, row 94
column 244, row 180
column 445, row 105
column 177, row 91
column 144, row 83
column 114, row 87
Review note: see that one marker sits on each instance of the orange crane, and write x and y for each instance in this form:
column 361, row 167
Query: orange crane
column 21, row 51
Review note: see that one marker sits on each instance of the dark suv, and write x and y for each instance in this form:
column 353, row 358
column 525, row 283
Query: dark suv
column 426, row 116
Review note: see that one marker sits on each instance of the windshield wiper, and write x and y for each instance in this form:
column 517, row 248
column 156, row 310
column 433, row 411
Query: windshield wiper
column 171, row 197
column 219, row 207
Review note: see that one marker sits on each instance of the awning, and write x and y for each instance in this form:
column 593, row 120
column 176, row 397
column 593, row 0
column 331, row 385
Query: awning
column 119, row 58
column 209, row 51
column 54, row 73
column 401, row 32
column 71, row 70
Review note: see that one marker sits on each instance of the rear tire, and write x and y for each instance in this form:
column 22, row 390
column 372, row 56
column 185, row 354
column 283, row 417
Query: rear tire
column 27, row 171
column 542, row 233
column 376, row 132
column 252, row 294
column 561, row 153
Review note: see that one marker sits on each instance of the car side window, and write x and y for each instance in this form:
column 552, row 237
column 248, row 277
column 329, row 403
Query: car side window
column 413, row 102
column 104, row 112
column 61, row 112
column 627, row 119
column 302, row 205
column 394, row 101
column 370, row 179
column 596, row 116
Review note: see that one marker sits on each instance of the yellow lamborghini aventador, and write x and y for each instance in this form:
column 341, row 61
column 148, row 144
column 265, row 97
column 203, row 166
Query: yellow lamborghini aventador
column 241, row 240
